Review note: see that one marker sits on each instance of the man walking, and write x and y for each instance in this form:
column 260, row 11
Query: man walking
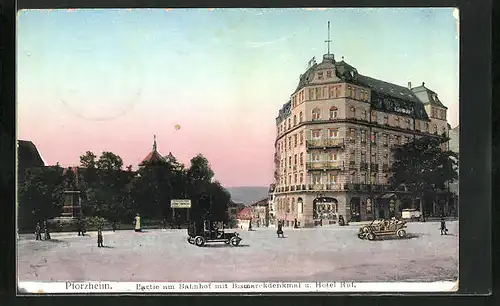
column 46, row 230
column 280, row 230
column 444, row 230
column 38, row 231
column 99, row 238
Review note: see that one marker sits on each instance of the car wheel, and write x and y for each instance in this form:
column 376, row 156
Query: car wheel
column 401, row 233
column 190, row 240
column 199, row 241
column 235, row 241
column 360, row 236
column 371, row 236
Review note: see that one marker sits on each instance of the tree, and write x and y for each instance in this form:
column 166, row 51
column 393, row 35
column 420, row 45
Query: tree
column 200, row 169
column 109, row 161
column 88, row 160
column 422, row 166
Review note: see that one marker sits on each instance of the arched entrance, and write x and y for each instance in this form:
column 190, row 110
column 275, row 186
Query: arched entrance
column 325, row 210
column 355, row 209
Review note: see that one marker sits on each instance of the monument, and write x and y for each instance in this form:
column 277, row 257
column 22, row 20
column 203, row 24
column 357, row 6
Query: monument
column 72, row 203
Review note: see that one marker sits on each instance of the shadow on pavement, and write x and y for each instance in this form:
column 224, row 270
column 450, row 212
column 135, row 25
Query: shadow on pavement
column 225, row 246
column 108, row 247
column 408, row 236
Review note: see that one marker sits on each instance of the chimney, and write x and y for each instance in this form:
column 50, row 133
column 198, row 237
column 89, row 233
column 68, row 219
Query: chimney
column 423, row 83
column 409, row 85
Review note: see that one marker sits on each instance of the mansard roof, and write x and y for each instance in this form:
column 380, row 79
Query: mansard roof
column 284, row 112
column 427, row 96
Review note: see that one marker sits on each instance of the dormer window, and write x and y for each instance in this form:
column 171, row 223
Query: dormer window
column 329, row 74
column 320, row 75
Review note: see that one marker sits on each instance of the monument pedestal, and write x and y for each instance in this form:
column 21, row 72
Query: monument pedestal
column 72, row 211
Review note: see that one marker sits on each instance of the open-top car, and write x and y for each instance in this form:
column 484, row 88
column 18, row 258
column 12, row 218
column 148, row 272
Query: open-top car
column 202, row 232
column 381, row 227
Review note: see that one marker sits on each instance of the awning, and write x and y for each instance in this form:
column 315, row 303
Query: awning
column 387, row 195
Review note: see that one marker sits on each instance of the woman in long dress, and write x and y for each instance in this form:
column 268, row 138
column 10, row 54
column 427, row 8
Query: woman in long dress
column 137, row 223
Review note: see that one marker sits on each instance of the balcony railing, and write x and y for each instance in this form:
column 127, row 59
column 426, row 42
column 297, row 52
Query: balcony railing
column 326, row 186
column 325, row 143
column 325, row 165
column 363, row 166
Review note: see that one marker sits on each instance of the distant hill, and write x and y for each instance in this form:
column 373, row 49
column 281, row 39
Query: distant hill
column 248, row 195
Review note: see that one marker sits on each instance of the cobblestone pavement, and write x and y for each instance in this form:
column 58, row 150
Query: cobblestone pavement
column 316, row 254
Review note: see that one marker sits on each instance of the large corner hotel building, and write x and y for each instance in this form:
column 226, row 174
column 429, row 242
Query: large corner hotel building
column 332, row 150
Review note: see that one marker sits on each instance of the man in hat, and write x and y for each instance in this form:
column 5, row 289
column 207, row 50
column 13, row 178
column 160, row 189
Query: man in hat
column 46, row 230
column 38, row 231
column 99, row 237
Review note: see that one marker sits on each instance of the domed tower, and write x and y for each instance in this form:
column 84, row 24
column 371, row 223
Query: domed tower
column 153, row 157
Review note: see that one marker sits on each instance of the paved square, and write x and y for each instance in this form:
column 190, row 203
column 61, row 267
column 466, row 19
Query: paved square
column 316, row 254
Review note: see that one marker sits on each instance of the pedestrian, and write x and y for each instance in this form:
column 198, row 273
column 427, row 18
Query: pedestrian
column 113, row 226
column 137, row 223
column 99, row 238
column 280, row 230
column 46, row 230
column 38, row 231
column 164, row 223
column 79, row 227
column 444, row 230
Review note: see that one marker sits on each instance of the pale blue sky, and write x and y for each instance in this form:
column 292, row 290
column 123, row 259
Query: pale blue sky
column 99, row 73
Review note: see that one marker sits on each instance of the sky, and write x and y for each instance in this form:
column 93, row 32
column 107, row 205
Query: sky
column 108, row 80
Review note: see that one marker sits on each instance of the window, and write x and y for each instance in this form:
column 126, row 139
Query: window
column 417, row 125
column 352, row 177
column 352, row 133
column 352, row 155
column 316, row 179
column 369, row 206
column 295, row 178
column 289, row 123
column 329, row 74
column 295, row 159
column 337, row 91
column 301, row 137
column 311, row 93
column 300, row 117
column 316, row 134
column 363, row 156
column 325, row 92
column 352, row 112
column 320, row 75
column 301, row 158
column 294, row 120
column 435, row 129
column 373, row 137
column 316, row 114
column 364, row 178
column 315, row 157
column 290, row 180
column 289, row 142
column 396, row 121
column 301, row 177
column 289, row 162
column 318, row 93
column 363, row 115
column 427, row 127
column 333, row 133
column 374, row 116
column 349, row 91
column 295, row 140
column 396, row 140
column 363, row 136
column 374, row 158
column 354, row 92
column 373, row 178
column 443, row 130
column 333, row 112
column 386, row 119
column 384, row 139
column 433, row 112
column 408, row 123
column 332, row 178
column 332, row 156
column 331, row 92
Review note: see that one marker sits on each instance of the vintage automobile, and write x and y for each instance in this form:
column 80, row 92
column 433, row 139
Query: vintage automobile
column 411, row 214
column 202, row 232
column 383, row 228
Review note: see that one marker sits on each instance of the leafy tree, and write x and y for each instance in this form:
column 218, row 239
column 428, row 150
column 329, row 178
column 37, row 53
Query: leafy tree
column 422, row 166
column 88, row 160
column 200, row 169
column 109, row 161
column 41, row 195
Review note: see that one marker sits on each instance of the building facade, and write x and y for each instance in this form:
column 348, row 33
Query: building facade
column 334, row 139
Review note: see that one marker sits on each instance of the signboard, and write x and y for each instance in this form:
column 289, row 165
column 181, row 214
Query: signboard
column 180, row 203
column 402, row 110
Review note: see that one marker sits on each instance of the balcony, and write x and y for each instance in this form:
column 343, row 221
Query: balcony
column 325, row 143
column 352, row 165
column 333, row 187
column 363, row 166
column 374, row 167
column 325, row 165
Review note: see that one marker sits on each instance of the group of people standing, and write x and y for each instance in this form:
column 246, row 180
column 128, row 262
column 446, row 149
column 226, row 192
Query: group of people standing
column 42, row 228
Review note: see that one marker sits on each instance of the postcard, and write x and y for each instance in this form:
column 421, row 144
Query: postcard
column 238, row 150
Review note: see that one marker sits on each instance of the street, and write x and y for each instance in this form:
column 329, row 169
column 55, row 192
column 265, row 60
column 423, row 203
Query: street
column 315, row 254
